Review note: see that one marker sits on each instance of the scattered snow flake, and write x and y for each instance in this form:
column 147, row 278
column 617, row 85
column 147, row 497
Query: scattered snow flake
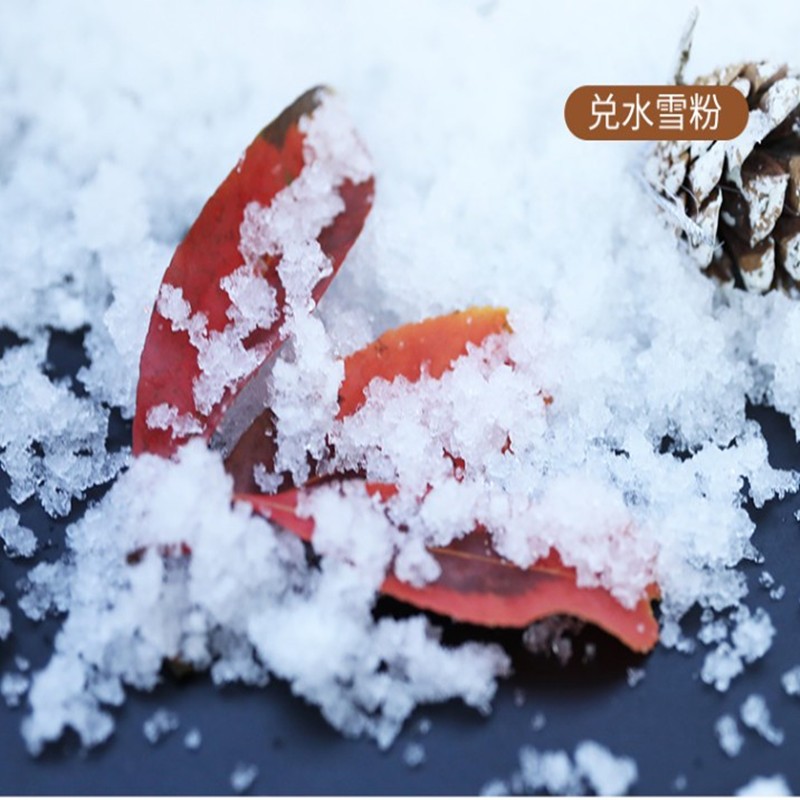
column 414, row 755
column 791, row 681
column 13, row 686
column 243, row 777
column 634, row 676
column 759, row 786
column 755, row 715
column 19, row 542
column 604, row 772
column 159, row 725
column 728, row 735
column 193, row 739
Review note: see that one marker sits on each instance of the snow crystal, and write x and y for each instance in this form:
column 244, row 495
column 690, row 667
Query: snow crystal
column 414, row 755
column 605, row 773
column 13, row 686
column 243, row 777
column 750, row 640
column 755, row 715
column 791, row 681
column 728, row 735
column 60, row 450
column 193, row 739
column 18, row 541
column 593, row 768
column 159, row 725
column 759, row 786
column 634, row 676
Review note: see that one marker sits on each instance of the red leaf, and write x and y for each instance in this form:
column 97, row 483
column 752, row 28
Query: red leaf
column 431, row 345
column 476, row 585
column 209, row 253
column 479, row 587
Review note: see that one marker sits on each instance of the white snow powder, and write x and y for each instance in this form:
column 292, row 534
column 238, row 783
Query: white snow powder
column 791, row 681
column 755, row 715
column 193, row 739
column 728, row 735
column 13, row 686
column 774, row 786
column 414, row 755
column 243, row 777
column 159, row 725
column 593, row 768
column 19, row 542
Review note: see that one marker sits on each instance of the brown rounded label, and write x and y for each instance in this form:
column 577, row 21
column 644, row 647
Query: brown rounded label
column 656, row 112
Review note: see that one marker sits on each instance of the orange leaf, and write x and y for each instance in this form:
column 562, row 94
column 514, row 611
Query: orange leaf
column 479, row 587
column 475, row 585
column 431, row 345
column 209, row 254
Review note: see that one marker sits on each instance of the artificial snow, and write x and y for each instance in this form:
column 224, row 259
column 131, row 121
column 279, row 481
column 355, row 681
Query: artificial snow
column 159, row 725
column 649, row 365
column 243, row 777
column 759, row 786
column 594, row 768
column 791, row 681
column 193, row 739
column 756, row 716
column 19, row 542
column 13, row 686
column 414, row 755
column 728, row 735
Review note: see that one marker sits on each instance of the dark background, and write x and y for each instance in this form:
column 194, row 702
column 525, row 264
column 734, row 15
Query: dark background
column 666, row 722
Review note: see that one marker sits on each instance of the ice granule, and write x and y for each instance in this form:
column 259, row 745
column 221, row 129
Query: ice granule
column 766, row 579
column 414, row 755
column 759, row 786
column 777, row 592
column 605, row 773
column 193, row 739
column 19, row 542
column 791, row 681
column 22, row 663
column 538, row 721
column 728, row 735
column 751, row 638
column 46, row 588
column 634, row 676
column 755, row 715
column 593, row 768
column 243, row 777
column 159, row 725
column 495, row 788
column 13, row 686
column 424, row 726
column 680, row 783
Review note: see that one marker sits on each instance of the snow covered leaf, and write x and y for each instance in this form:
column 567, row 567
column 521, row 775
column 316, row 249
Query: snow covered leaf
column 479, row 587
column 279, row 225
column 430, row 345
column 475, row 585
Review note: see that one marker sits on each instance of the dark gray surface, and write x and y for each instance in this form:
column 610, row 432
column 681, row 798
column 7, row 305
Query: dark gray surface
column 665, row 723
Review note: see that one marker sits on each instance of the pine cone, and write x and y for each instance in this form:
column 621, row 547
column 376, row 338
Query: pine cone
column 737, row 203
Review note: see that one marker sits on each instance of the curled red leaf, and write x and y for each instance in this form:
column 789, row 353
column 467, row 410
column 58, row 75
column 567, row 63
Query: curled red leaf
column 196, row 310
